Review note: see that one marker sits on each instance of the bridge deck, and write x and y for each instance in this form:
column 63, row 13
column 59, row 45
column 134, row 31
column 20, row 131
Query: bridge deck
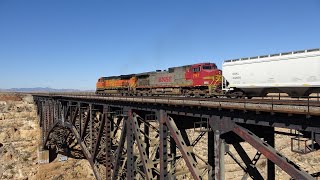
column 306, row 107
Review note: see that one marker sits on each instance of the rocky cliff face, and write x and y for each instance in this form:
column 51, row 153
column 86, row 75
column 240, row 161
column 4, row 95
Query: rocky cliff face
column 19, row 142
column 19, row 137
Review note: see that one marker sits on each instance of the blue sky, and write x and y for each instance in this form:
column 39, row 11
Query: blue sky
column 69, row 44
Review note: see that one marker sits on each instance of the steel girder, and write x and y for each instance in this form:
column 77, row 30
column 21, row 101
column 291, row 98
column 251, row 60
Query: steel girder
column 147, row 166
column 186, row 153
column 163, row 149
column 289, row 167
column 94, row 139
column 250, row 167
column 119, row 150
column 130, row 149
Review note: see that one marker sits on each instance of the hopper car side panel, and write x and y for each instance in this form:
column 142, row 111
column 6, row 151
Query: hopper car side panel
column 295, row 74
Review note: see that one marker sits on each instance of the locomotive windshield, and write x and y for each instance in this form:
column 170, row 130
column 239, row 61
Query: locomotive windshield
column 207, row 67
column 197, row 69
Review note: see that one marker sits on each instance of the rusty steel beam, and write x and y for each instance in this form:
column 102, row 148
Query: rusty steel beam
column 86, row 122
column 50, row 118
column 85, row 150
column 65, row 110
column 226, row 124
column 173, row 153
column 146, row 138
column 116, row 125
column 195, row 142
column 118, row 153
column 46, row 111
column 187, row 141
column 237, row 161
column 83, row 146
column 55, row 111
column 44, row 124
column 99, row 136
column 71, row 114
column 90, row 129
column 217, row 154
column 251, row 169
column 130, row 142
column 48, row 127
column 163, row 149
column 108, row 147
column 47, row 133
column 80, row 117
column 270, row 165
column 186, row 154
column 271, row 154
column 211, row 155
column 147, row 166
column 253, row 163
column 74, row 116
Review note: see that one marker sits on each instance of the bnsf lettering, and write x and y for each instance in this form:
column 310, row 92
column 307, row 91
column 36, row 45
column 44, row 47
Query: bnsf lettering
column 165, row 79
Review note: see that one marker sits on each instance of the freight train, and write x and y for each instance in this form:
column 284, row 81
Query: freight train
column 193, row 80
column 296, row 73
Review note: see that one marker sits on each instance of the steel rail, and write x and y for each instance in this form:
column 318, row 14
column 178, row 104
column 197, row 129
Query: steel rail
column 273, row 106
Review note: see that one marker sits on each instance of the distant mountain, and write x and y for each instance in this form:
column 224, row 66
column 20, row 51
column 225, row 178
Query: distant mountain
column 40, row 89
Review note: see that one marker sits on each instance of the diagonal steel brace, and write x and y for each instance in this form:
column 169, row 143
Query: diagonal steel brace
column 147, row 164
column 226, row 125
column 186, row 154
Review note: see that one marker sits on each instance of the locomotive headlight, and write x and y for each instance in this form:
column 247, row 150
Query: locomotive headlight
column 206, row 82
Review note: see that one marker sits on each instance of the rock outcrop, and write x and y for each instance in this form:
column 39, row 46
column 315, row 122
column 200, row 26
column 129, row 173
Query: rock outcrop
column 19, row 144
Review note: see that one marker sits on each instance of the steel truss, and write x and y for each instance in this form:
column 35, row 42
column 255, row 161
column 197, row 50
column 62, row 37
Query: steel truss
column 138, row 142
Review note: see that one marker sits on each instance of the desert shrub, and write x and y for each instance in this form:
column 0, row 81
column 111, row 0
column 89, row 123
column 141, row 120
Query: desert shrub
column 2, row 108
column 59, row 177
column 11, row 107
column 25, row 159
column 9, row 167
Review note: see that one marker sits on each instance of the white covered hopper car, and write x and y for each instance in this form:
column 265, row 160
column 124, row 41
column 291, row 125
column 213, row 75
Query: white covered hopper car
column 295, row 73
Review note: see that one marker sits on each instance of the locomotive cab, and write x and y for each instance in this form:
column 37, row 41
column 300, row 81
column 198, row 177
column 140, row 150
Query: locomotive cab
column 205, row 76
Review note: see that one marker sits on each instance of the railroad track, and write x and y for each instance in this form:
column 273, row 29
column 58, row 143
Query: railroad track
column 276, row 100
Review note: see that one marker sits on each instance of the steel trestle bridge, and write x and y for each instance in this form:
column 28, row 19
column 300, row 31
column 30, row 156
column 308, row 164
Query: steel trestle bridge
column 149, row 137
